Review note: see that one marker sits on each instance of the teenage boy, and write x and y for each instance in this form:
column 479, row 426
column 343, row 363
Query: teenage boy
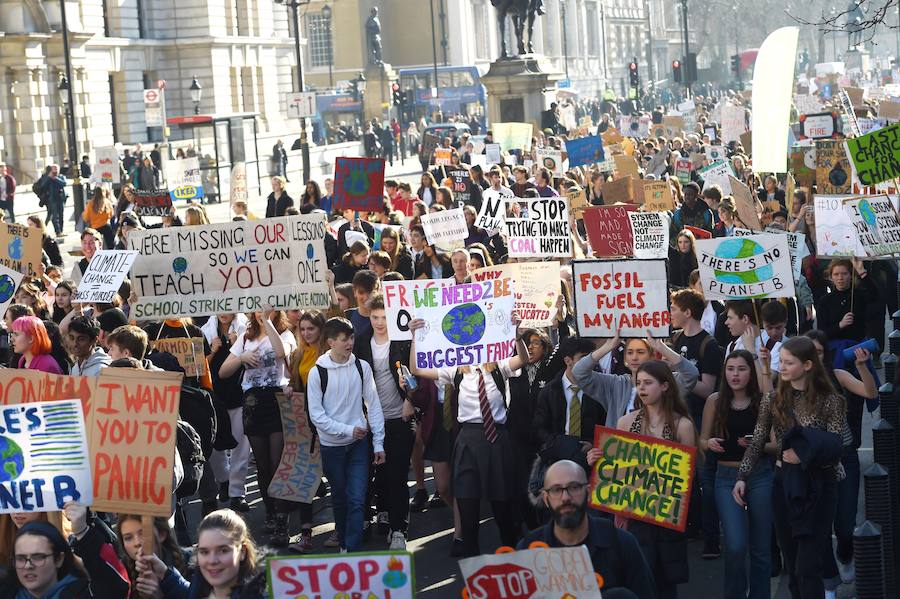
column 382, row 354
column 344, row 406
column 83, row 332
column 365, row 283
column 774, row 316
column 482, row 462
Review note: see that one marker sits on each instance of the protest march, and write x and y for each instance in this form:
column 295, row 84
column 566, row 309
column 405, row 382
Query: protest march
column 621, row 347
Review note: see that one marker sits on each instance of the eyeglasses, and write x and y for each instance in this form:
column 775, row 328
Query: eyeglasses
column 35, row 559
column 573, row 489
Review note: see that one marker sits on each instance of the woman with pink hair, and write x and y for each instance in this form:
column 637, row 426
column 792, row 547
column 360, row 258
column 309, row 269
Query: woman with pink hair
column 30, row 340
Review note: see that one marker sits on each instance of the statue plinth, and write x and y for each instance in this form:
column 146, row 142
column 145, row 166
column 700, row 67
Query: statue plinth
column 378, row 96
column 519, row 88
column 857, row 59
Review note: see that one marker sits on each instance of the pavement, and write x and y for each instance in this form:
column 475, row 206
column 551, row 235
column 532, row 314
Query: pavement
column 431, row 531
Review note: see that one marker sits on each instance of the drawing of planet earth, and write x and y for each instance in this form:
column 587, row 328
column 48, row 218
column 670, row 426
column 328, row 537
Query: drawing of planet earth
column 7, row 288
column 12, row 462
column 464, row 324
column 739, row 248
column 866, row 212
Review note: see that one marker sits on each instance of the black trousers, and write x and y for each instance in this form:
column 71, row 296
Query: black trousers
column 392, row 476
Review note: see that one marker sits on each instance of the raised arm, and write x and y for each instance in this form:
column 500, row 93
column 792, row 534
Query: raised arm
column 429, row 373
column 864, row 386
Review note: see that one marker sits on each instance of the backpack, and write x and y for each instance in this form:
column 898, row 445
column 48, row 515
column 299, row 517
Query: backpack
column 190, row 450
column 706, row 341
column 38, row 188
column 323, row 379
column 197, row 408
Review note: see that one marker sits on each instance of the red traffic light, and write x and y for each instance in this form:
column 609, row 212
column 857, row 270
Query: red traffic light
column 676, row 64
column 632, row 66
column 395, row 87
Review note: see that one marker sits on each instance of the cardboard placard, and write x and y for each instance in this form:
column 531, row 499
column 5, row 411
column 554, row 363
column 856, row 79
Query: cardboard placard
column 747, row 142
column 609, row 229
column 629, row 296
column 399, row 303
column 658, row 196
column 151, row 203
column 832, row 168
column 803, row 165
column 889, row 111
column 835, row 234
column 584, row 151
column 752, row 267
column 133, row 427
column 106, row 165
column 230, row 267
column 46, row 461
column 734, row 123
column 512, row 136
column 492, row 153
column 545, row 573
column 577, row 199
column 643, row 478
column 537, row 289
column 619, row 191
column 551, row 160
column 442, row 156
column 626, row 167
column 650, row 232
column 239, row 190
column 683, row 168
column 9, row 283
column 104, row 276
column 541, row 230
column 359, row 184
column 876, row 224
column 465, row 325
column 445, row 227
column 745, row 203
column 188, row 351
column 367, row 574
column 612, row 136
column 876, row 156
column 299, row 472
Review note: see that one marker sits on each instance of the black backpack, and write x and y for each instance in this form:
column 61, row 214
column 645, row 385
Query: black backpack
column 190, row 451
column 323, row 379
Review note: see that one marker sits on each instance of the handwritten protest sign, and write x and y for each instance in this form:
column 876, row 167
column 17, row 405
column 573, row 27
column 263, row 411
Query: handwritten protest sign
column 20, row 385
column 512, row 136
column 106, row 167
column 133, row 419
column 717, row 173
column 188, row 351
column 465, row 325
column 577, row 198
column 658, row 196
column 821, row 125
column 757, row 266
column 832, row 168
column 626, row 167
column 359, row 184
column 745, row 203
column 650, row 231
column 612, row 136
column 461, row 183
column 584, row 151
column 541, row 230
column 492, row 214
column 20, row 248
column 620, row 190
column 544, row 573
column 45, row 457
column 835, row 234
column 239, row 190
column 609, row 229
column 400, row 306
column 683, row 167
column 715, row 153
column 230, row 267
column 184, row 181
column 551, row 160
column 151, row 203
column 300, row 470
column 876, row 156
column 9, row 283
column 733, row 123
column 387, row 575
column 537, row 289
column 492, row 153
column 876, row 224
column 442, row 156
column 445, row 227
column 796, row 245
column 104, row 276
column 643, row 478
column 630, row 296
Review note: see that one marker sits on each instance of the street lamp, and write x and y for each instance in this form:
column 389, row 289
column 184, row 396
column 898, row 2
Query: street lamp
column 359, row 92
column 326, row 14
column 562, row 5
column 63, row 88
column 196, row 94
column 295, row 5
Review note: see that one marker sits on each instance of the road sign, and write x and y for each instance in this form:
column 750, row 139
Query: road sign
column 153, row 110
column 301, row 105
column 151, row 96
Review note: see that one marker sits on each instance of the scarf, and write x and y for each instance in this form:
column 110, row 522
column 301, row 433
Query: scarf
column 54, row 593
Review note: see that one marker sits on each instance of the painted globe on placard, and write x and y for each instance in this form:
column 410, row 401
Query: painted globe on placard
column 7, row 288
column 464, row 324
column 739, row 248
column 866, row 212
column 12, row 462
column 179, row 265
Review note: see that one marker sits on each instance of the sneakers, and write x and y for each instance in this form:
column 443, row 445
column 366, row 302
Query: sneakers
column 418, row 501
column 436, row 501
column 305, row 544
column 333, row 540
column 280, row 537
column 847, row 571
column 397, row 540
column 711, row 549
column 382, row 522
column 239, row 504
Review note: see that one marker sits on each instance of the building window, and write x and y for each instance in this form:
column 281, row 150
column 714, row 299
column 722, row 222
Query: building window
column 593, row 25
column 479, row 18
column 320, row 48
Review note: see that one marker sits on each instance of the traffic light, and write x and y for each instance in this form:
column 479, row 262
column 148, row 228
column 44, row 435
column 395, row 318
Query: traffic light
column 633, row 75
column 676, row 70
column 395, row 89
column 690, row 62
column 735, row 63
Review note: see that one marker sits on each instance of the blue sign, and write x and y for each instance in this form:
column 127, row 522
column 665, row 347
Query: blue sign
column 564, row 83
column 585, row 151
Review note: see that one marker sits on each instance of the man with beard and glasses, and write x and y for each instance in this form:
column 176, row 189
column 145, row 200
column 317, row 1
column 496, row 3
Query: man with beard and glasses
column 615, row 553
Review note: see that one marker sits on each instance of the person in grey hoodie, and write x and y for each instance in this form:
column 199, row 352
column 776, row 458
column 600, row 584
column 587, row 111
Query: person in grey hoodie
column 616, row 392
column 90, row 359
column 344, row 406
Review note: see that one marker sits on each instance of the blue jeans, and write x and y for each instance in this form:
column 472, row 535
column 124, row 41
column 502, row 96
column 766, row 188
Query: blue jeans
column 747, row 529
column 847, row 504
column 347, row 470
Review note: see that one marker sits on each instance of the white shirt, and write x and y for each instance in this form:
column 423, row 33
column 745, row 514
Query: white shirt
column 391, row 402
column 708, row 319
column 271, row 372
column 568, row 392
column 469, row 408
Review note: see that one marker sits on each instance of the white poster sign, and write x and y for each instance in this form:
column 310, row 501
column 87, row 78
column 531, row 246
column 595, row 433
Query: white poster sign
column 541, row 229
column 717, row 173
column 835, row 235
column 9, row 283
column 551, row 160
column 875, row 223
column 733, row 123
column 492, row 214
column 650, row 231
column 104, row 276
column 756, row 266
column 537, row 289
column 444, row 227
column 106, row 168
